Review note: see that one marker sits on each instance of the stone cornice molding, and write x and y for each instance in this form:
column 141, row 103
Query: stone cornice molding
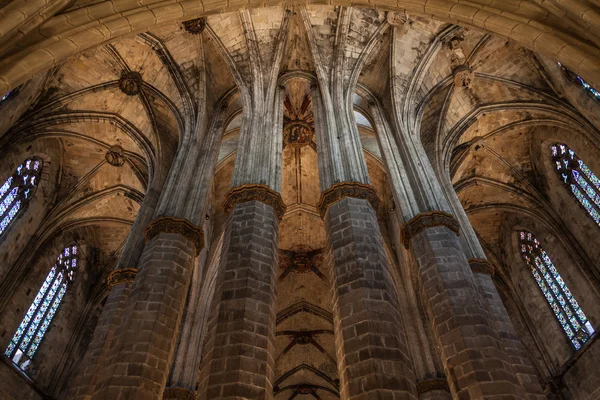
column 429, row 385
column 426, row 220
column 340, row 190
column 481, row 266
column 257, row 192
column 178, row 393
column 119, row 276
column 176, row 225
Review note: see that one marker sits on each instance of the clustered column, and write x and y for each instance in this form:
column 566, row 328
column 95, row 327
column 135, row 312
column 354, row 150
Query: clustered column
column 520, row 362
column 372, row 354
column 238, row 362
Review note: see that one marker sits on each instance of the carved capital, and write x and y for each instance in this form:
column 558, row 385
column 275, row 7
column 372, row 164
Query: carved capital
column 429, row 385
column 481, row 266
column 427, row 220
column 121, row 275
column 178, row 393
column 347, row 189
column 258, row 192
column 176, row 225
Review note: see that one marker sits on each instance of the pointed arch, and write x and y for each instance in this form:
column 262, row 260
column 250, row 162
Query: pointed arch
column 578, row 178
column 36, row 321
column 17, row 191
column 563, row 303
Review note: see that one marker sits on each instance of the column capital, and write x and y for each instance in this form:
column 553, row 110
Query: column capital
column 176, row 225
column 481, row 266
column 347, row 189
column 120, row 275
column 429, row 385
column 178, row 393
column 258, row 192
column 426, row 220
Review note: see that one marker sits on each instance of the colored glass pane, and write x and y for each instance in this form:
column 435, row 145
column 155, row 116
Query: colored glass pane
column 42, row 310
column 18, row 190
column 554, row 288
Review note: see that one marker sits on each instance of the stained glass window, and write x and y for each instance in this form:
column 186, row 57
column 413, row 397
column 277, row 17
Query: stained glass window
column 36, row 321
column 576, row 78
column 578, row 178
column 562, row 302
column 17, row 191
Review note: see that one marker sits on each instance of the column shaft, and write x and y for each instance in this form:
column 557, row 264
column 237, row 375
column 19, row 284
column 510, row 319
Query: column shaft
column 520, row 362
column 82, row 386
column 238, row 361
column 475, row 362
column 371, row 345
column 138, row 362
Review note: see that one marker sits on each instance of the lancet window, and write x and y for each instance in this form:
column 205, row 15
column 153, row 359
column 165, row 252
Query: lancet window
column 34, row 325
column 576, row 78
column 578, row 178
column 18, row 190
column 566, row 309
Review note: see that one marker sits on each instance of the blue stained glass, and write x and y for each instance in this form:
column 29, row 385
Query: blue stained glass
column 566, row 309
column 589, row 174
column 586, row 204
column 11, row 215
column 37, row 320
column 38, row 338
column 6, row 186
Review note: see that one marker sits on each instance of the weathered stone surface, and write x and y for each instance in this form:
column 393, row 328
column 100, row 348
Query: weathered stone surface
column 239, row 359
column 138, row 362
column 471, row 351
column 371, row 346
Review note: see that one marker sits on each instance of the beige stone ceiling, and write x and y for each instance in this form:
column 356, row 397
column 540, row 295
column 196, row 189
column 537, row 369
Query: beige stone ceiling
column 493, row 137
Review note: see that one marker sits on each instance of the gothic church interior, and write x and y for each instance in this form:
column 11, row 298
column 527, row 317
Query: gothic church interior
column 299, row 200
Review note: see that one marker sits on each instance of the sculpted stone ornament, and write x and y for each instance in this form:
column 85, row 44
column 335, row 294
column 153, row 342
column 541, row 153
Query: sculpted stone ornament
column 298, row 134
column 481, row 266
column 429, row 385
column 340, row 190
column 130, row 83
column 427, row 220
column 121, row 275
column 399, row 19
column 176, row 225
column 178, row 393
column 114, row 156
column 258, row 192
column 195, row 26
column 463, row 77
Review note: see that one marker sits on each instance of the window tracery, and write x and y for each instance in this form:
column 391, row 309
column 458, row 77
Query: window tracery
column 578, row 178
column 566, row 309
column 576, row 78
column 36, row 321
column 18, row 190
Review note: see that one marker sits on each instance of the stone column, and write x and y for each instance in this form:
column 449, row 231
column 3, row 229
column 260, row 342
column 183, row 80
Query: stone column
column 520, row 362
column 140, row 355
column 119, row 285
column 474, row 359
column 238, row 361
column 372, row 353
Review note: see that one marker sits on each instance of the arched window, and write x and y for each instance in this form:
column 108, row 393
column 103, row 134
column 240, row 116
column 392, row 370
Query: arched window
column 595, row 94
column 18, row 190
column 30, row 333
column 559, row 297
column 578, row 178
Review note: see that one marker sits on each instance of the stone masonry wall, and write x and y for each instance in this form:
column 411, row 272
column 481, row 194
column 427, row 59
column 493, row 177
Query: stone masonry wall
column 475, row 363
column 372, row 353
column 239, row 362
column 138, row 362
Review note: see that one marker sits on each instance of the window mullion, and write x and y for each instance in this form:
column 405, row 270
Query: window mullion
column 52, row 291
column 549, row 281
